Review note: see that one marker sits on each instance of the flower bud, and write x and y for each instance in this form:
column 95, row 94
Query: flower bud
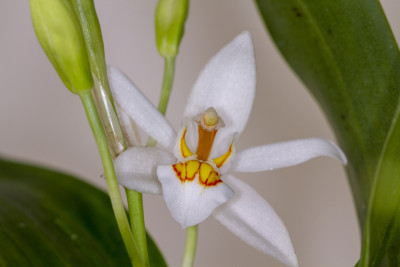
column 170, row 19
column 59, row 33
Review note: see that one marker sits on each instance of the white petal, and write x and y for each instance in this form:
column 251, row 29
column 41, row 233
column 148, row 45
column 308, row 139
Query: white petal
column 227, row 83
column 190, row 203
column 136, row 168
column 253, row 220
column 285, row 154
column 139, row 108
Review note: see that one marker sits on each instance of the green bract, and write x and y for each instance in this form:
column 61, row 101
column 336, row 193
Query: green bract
column 170, row 19
column 58, row 31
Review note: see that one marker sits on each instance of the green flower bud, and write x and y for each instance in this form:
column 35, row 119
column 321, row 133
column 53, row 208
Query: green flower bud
column 170, row 20
column 59, row 33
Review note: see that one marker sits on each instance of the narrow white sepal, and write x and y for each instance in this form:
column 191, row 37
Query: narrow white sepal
column 254, row 221
column 139, row 108
column 190, row 203
column 285, row 154
column 136, row 168
column 227, row 83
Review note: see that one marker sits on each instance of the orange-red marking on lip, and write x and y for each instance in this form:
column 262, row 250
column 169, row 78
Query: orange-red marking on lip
column 187, row 171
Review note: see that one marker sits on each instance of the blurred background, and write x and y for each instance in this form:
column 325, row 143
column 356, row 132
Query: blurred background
column 42, row 122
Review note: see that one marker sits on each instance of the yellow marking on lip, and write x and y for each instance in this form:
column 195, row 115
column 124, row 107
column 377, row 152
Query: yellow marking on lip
column 183, row 172
column 185, row 151
column 205, row 170
column 192, row 167
column 187, row 171
column 212, row 178
column 208, row 176
column 178, row 167
column 222, row 159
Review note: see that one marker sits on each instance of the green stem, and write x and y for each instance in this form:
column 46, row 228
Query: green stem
column 115, row 196
column 136, row 216
column 168, row 80
column 190, row 247
column 169, row 70
column 117, row 143
column 135, row 201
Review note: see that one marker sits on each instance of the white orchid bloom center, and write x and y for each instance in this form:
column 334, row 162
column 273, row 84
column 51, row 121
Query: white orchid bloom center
column 199, row 167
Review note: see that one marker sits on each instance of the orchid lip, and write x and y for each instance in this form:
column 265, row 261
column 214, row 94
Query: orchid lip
column 199, row 166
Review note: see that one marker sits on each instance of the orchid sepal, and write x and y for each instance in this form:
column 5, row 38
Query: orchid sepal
column 136, row 168
column 253, row 220
column 285, row 154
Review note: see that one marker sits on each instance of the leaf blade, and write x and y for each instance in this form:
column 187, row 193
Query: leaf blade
column 345, row 53
column 51, row 218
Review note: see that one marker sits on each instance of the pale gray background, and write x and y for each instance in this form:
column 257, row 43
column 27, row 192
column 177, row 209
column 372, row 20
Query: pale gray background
column 42, row 122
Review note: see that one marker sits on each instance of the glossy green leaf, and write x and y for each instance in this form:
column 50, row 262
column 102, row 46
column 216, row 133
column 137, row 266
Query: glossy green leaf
column 382, row 223
column 345, row 54
column 51, row 219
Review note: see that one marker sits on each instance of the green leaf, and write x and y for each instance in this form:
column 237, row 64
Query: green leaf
column 51, row 219
column 383, row 214
column 156, row 258
column 345, row 53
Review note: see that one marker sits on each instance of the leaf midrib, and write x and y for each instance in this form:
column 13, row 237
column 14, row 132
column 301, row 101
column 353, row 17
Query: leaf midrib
column 345, row 93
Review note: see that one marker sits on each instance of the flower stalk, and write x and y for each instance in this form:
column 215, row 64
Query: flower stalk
column 90, row 25
column 113, row 188
column 190, row 247
column 168, row 79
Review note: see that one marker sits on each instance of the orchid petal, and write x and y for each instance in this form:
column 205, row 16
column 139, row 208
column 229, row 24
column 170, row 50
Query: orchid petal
column 139, row 108
column 136, row 168
column 226, row 83
column 285, row 154
column 253, row 220
column 189, row 202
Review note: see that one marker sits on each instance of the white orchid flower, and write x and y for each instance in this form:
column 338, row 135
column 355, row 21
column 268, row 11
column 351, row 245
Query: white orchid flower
column 193, row 171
